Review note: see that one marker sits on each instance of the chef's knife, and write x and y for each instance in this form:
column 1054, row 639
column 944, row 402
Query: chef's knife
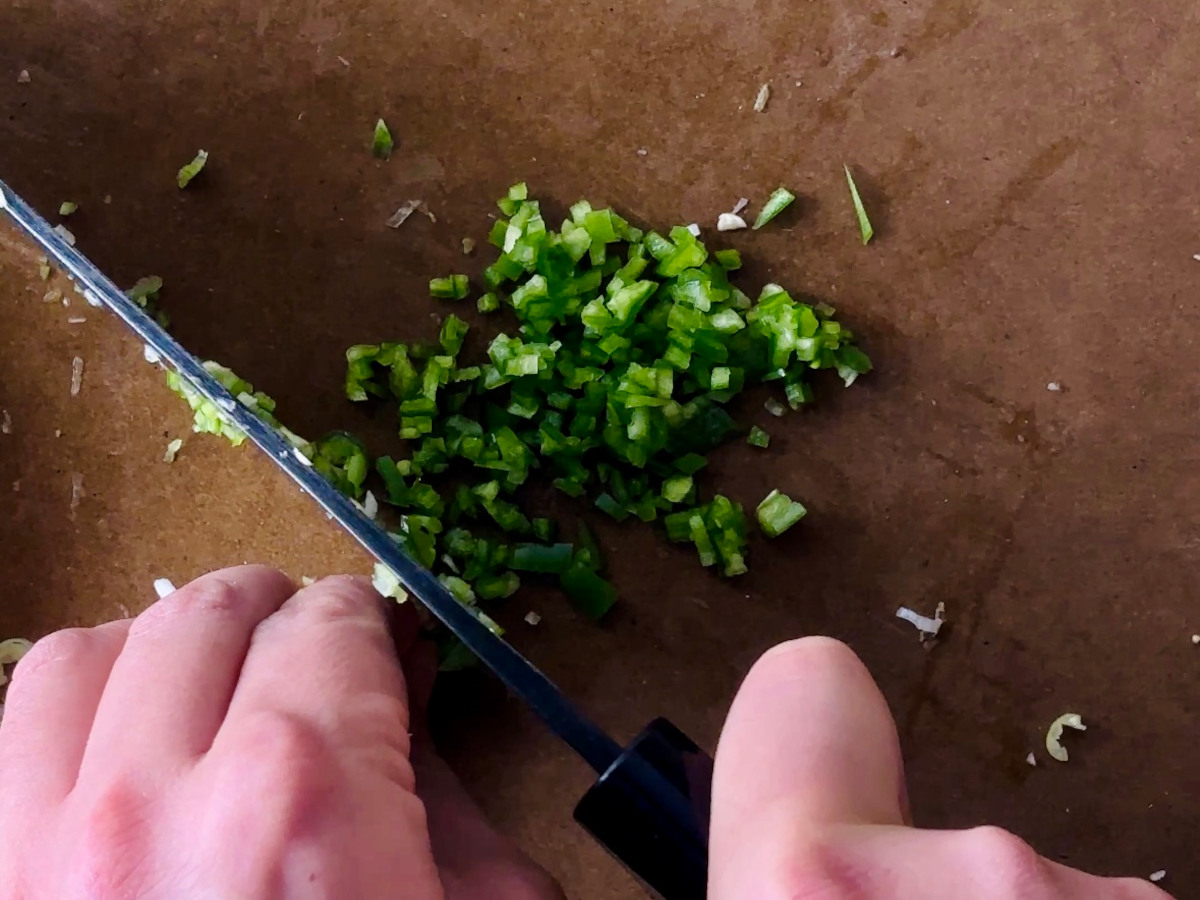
column 649, row 806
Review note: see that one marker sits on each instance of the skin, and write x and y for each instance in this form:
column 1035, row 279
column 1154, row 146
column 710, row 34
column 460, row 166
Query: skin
column 245, row 738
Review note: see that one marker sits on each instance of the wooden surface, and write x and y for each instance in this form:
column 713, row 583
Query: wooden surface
column 1031, row 174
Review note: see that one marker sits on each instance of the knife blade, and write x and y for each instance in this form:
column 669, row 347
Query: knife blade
column 650, row 805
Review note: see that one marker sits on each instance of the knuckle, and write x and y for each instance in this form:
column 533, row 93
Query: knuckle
column 820, row 871
column 62, row 649
column 286, row 748
column 378, row 726
column 283, row 761
column 1015, row 867
column 335, row 599
column 112, row 841
column 208, row 596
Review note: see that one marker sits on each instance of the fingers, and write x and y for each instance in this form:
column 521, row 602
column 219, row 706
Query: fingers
column 809, row 744
column 171, row 686
column 49, row 711
column 327, row 660
column 472, row 858
column 807, row 802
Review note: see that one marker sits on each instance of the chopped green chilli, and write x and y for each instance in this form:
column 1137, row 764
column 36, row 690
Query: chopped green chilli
column 191, row 170
column 852, row 362
column 677, row 488
column 610, row 373
column 777, row 513
column 864, row 224
column 452, row 287
column 145, row 292
column 546, row 558
column 208, row 418
column 592, row 594
column 342, row 459
column 780, row 199
column 387, row 583
column 718, row 531
column 381, row 143
column 67, row 209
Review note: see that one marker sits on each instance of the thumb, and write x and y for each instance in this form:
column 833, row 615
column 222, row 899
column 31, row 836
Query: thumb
column 809, row 744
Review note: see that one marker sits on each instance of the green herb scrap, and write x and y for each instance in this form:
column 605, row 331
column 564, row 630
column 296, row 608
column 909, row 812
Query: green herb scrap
column 339, row 456
column 864, row 224
column 145, row 291
column 381, row 143
column 781, row 198
column 207, row 418
column 191, row 170
column 145, row 294
column 758, row 438
column 778, row 512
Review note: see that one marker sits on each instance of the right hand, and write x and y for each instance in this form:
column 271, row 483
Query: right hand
column 809, row 802
column 240, row 738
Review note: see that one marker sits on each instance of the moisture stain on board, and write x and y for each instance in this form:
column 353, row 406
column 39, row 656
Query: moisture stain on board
column 1022, row 429
column 943, row 23
column 1018, row 191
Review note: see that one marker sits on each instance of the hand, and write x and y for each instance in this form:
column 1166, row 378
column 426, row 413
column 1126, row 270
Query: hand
column 809, row 802
column 240, row 738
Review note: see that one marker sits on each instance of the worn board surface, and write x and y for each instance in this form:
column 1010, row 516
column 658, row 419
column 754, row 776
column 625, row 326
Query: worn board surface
column 1031, row 173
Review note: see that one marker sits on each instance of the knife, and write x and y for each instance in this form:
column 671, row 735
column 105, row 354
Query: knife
column 650, row 805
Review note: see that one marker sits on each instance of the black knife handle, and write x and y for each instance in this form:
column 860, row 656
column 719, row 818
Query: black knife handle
column 651, row 808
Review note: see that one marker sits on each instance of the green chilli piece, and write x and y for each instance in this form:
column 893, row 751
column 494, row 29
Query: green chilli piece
column 718, row 531
column 864, row 223
column 342, row 459
column 777, row 513
column 145, row 294
column 677, row 488
column 382, row 144
column 145, row 291
column 781, row 198
column 552, row 559
column 452, row 335
column 758, row 438
column 452, row 287
column 590, row 592
column 67, row 209
column 191, row 170
column 458, row 588
column 851, row 362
